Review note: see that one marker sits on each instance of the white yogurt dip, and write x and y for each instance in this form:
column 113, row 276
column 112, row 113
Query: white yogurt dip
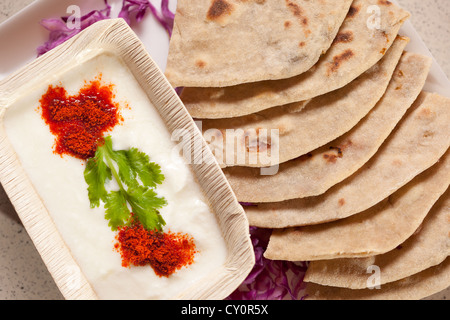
column 60, row 183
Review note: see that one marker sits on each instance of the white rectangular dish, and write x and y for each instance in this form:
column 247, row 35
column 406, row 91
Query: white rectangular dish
column 21, row 172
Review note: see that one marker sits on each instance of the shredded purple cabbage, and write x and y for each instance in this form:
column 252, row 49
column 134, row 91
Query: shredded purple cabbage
column 138, row 8
column 248, row 204
column 269, row 279
column 178, row 90
column 60, row 32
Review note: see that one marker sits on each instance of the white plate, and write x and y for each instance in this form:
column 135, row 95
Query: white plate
column 21, row 34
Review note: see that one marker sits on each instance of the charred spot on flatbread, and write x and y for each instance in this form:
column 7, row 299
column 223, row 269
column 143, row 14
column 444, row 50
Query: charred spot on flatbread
column 384, row 3
column 344, row 37
column 332, row 157
column 339, row 59
column 297, row 11
column 200, row 63
column 353, row 11
column 218, row 9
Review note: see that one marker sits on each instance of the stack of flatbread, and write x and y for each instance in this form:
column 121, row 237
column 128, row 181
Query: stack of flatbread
column 318, row 115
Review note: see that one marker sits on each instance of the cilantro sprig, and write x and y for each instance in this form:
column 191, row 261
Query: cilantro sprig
column 136, row 177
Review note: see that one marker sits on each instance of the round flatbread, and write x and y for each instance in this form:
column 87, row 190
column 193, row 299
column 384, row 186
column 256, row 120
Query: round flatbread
column 316, row 172
column 281, row 134
column 228, row 42
column 416, row 287
column 418, row 142
column 358, row 46
column 428, row 247
column 376, row 231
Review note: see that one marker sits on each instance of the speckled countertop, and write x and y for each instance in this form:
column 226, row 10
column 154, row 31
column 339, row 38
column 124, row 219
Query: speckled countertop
column 23, row 275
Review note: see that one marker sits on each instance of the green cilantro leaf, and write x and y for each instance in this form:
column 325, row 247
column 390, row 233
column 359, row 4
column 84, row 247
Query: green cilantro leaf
column 144, row 201
column 149, row 172
column 126, row 166
column 126, row 172
column 117, row 211
column 96, row 174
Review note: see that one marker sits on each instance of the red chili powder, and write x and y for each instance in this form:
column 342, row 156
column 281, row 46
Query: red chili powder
column 79, row 121
column 164, row 252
